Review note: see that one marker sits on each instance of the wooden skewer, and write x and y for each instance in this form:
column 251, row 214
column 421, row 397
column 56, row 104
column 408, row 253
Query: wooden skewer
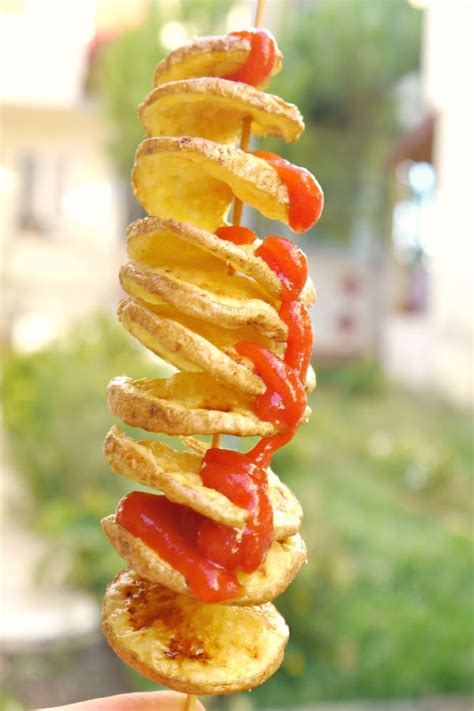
column 260, row 13
column 244, row 146
column 190, row 704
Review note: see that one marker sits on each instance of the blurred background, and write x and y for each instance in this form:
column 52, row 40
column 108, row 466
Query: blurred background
column 383, row 611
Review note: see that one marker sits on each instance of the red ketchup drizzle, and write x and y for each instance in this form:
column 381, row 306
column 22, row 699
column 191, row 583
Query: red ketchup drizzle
column 304, row 191
column 260, row 61
column 291, row 266
column 245, row 484
column 208, row 554
column 236, row 234
column 171, row 530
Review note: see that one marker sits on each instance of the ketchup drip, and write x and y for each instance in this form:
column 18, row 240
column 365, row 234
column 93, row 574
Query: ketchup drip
column 291, row 266
column 284, row 400
column 260, row 61
column 304, row 192
column 171, row 530
column 236, row 234
column 245, row 484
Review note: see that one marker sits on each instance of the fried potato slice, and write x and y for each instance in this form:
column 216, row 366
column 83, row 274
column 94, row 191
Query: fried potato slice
column 187, row 646
column 287, row 511
column 176, row 474
column 163, row 242
column 185, row 404
column 221, row 337
column 184, row 348
column 220, row 302
column 186, row 344
column 284, row 559
column 160, row 242
column 195, row 445
column 194, row 180
column 214, row 109
column 216, row 56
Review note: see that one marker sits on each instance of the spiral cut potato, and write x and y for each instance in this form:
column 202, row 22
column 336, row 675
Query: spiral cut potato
column 190, row 297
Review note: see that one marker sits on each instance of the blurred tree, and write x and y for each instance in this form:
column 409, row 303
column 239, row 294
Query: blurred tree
column 342, row 62
column 123, row 71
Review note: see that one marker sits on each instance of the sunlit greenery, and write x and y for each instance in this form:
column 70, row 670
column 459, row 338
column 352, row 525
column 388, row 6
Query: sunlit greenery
column 382, row 607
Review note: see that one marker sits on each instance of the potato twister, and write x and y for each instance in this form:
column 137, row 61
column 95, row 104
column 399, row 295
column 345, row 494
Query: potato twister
column 207, row 556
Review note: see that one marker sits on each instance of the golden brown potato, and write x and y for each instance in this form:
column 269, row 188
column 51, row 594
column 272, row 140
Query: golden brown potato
column 214, row 109
column 283, row 561
column 194, row 180
column 191, row 345
column 184, row 348
column 176, row 474
column 186, row 404
column 229, row 302
column 216, row 56
column 193, row 297
column 185, row 645
column 161, row 242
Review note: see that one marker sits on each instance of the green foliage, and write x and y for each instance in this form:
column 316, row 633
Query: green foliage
column 56, row 418
column 381, row 609
column 357, row 378
column 10, row 703
column 382, row 606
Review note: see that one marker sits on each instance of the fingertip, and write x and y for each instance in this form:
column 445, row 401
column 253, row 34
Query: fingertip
column 144, row 701
column 158, row 701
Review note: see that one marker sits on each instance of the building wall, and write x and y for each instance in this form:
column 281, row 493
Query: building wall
column 432, row 347
column 345, row 315
column 449, row 81
column 60, row 222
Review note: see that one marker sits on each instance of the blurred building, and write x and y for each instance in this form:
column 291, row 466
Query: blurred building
column 347, row 317
column 429, row 334
column 61, row 240
column 60, row 220
column 449, row 85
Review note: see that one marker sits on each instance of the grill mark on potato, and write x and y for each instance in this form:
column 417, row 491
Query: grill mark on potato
column 149, row 604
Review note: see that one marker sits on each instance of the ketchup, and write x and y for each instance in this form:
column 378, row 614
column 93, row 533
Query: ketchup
column 171, row 530
column 245, row 484
column 284, row 400
column 260, row 61
column 236, row 234
column 304, row 192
